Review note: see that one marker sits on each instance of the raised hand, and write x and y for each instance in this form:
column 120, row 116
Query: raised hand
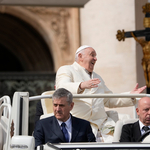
column 93, row 83
column 137, row 90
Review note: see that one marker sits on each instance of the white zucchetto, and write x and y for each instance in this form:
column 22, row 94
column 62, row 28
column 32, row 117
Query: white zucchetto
column 81, row 48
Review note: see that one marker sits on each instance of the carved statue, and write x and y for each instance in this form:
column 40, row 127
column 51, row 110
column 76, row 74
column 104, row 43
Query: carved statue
column 146, row 57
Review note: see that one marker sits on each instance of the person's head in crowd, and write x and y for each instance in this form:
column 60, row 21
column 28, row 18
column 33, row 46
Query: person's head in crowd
column 86, row 57
column 62, row 104
column 143, row 110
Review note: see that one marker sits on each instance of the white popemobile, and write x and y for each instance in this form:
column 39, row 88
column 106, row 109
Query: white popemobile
column 14, row 118
column 14, row 126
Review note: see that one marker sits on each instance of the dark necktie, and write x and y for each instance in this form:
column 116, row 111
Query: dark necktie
column 145, row 128
column 65, row 132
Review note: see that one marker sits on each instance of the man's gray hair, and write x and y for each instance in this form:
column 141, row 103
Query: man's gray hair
column 62, row 92
column 76, row 56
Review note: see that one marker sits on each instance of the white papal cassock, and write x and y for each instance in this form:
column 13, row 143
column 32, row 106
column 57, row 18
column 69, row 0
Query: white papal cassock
column 91, row 109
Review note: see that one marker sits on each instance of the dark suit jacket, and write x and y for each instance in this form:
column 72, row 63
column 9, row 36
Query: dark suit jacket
column 48, row 130
column 130, row 132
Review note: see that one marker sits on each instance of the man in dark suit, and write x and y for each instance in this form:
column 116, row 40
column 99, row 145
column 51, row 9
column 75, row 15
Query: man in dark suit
column 51, row 129
column 132, row 132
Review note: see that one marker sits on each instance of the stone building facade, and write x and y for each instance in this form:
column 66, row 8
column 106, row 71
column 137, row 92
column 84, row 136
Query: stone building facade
column 36, row 41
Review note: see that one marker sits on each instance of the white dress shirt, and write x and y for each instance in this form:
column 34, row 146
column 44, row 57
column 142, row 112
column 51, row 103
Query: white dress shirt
column 68, row 126
column 141, row 126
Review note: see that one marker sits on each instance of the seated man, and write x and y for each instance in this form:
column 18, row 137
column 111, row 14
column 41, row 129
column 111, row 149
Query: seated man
column 132, row 132
column 80, row 78
column 62, row 127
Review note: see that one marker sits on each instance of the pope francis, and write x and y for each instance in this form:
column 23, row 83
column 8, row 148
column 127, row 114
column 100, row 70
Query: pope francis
column 79, row 78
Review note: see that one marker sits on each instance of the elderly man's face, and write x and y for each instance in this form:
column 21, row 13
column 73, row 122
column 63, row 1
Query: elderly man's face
column 89, row 59
column 143, row 111
column 62, row 109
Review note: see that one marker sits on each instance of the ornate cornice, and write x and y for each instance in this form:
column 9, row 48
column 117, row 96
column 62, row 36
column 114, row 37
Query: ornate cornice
column 57, row 19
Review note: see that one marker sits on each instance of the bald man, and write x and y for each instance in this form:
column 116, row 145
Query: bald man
column 79, row 78
column 132, row 132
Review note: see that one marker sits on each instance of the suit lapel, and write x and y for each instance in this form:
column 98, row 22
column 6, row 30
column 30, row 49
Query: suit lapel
column 75, row 128
column 136, row 131
column 55, row 128
column 81, row 72
column 84, row 76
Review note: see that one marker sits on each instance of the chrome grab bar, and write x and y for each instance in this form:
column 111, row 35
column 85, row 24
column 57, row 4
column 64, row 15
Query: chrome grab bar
column 94, row 96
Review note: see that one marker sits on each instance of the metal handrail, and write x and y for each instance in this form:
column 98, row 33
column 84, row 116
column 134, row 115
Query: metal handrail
column 94, row 96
